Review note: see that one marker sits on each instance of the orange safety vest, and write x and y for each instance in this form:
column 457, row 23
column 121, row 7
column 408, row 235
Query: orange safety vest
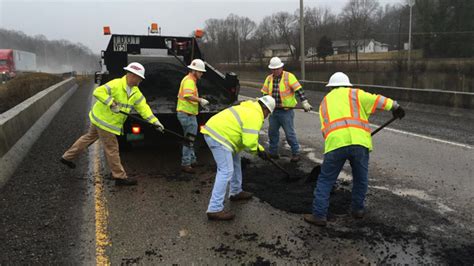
column 344, row 114
column 288, row 85
column 188, row 88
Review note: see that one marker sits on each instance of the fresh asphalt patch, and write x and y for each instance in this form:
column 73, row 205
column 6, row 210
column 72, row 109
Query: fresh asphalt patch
column 393, row 229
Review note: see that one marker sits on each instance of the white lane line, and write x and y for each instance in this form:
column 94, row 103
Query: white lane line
column 442, row 208
column 401, row 132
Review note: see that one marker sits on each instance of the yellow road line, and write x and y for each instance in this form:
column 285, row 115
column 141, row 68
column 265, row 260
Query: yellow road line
column 101, row 213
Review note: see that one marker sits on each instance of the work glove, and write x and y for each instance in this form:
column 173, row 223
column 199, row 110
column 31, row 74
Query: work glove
column 306, row 106
column 398, row 113
column 203, row 102
column 115, row 107
column 262, row 153
column 159, row 126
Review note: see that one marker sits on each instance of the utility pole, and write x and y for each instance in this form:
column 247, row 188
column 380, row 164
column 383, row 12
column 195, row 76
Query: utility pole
column 411, row 3
column 303, row 74
column 238, row 45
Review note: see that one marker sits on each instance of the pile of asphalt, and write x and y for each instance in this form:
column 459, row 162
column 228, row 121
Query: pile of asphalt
column 293, row 195
column 387, row 238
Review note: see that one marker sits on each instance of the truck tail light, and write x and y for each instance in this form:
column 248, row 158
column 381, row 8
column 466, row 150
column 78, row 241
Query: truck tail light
column 136, row 129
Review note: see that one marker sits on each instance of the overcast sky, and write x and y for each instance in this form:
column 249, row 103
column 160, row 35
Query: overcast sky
column 82, row 21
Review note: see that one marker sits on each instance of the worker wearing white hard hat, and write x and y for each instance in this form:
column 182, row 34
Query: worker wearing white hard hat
column 114, row 98
column 344, row 114
column 283, row 87
column 187, row 110
column 227, row 133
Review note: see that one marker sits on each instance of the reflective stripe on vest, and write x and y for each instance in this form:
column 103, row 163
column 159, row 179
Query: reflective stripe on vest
column 139, row 100
column 353, row 121
column 324, row 112
column 124, row 105
column 219, row 137
column 105, row 124
column 344, row 123
column 354, row 103
column 150, row 118
column 380, row 103
column 237, row 116
column 287, row 92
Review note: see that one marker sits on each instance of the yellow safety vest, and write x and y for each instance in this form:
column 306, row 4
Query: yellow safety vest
column 188, row 88
column 237, row 127
column 116, row 90
column 344, row 114
column 288, row 85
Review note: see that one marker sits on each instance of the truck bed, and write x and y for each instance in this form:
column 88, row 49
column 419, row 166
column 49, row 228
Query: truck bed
column 163, row 81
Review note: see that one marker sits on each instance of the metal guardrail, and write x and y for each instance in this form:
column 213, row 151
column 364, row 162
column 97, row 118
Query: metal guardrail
column 392, row 87
column 426, row 96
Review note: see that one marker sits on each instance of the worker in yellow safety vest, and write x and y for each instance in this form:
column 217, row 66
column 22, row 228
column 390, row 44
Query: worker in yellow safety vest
column 117, row 95
column 283, row 86
column 187, row 110
column 344, row 114
column 227, row 134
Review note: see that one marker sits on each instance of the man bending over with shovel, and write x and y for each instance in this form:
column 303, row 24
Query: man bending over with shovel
column 344, row 114
column 227, row 134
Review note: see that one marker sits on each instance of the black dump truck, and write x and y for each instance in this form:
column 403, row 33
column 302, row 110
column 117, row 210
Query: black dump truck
column 165, row 59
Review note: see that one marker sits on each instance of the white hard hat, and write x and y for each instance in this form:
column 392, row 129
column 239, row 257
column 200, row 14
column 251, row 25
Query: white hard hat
column 275, row 63
column 339, row 79
column 269, row 102
column 136, row 68
column 198, row 65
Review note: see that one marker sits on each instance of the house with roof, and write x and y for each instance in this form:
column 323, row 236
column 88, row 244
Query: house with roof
column 281, row 50
column 362, row 46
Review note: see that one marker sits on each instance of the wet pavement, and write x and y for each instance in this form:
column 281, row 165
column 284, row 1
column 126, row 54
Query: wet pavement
column 420, row 206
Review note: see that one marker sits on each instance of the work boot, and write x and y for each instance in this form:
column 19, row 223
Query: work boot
column 68, row 163
column 126, row 182
column 295, row 158
column 243, row 195
column 221, row 216
column 188, row 169
column 359, row 214
column 274, row 156
column 310, row 218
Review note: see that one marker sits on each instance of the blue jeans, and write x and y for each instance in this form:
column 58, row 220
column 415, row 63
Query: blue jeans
column 282, row 118
column 333, row 162
column 228, row 169
column 189, row 125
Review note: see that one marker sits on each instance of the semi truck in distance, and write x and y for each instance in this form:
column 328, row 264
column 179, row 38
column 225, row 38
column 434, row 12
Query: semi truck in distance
column 14, row 62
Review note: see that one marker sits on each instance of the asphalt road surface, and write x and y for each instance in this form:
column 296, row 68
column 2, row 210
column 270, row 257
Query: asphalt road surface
column 420, row 200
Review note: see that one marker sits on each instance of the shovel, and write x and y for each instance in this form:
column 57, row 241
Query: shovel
column 313, row 176
column 288, row 176
column 188, row 139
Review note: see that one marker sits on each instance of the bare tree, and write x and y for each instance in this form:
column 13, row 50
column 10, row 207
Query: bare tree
column 357, row 16
column 319, row 22
column 285, row 27
column 264, row 35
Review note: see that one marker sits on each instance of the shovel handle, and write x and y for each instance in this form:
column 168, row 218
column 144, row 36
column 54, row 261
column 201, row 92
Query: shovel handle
column 146, row 122
column 384, row 125
column 278, row 166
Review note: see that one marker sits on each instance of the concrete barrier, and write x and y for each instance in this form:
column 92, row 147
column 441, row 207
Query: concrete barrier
column 426, row 96
column 22, row 125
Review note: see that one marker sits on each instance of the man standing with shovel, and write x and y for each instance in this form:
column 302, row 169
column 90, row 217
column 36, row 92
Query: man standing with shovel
column 227, row 134
column 188, row 108
column 283, row 87
column 344, row 114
